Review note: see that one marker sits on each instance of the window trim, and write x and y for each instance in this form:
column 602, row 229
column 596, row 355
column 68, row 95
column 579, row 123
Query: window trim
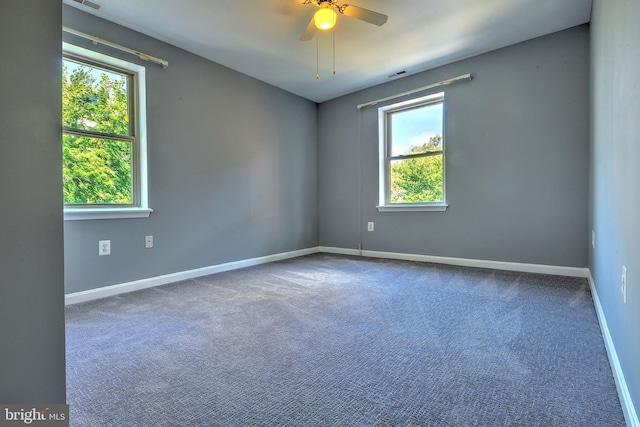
column 140, row 209
column 384, row 157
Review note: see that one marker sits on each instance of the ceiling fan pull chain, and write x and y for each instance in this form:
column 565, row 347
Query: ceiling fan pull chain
column 317, row 59
column 333, row 32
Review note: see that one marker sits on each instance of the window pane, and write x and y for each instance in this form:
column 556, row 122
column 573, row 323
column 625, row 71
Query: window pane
column 416, row 130
column 417, row 180
column 94, row 99
column 96, row 171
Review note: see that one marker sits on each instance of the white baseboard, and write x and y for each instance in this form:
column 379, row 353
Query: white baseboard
column 339, row 251
column 466, row 262
column 630, row 414
column 137, row 285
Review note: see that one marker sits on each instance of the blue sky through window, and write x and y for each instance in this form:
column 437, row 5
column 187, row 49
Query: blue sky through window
column 414, row 127
column 95, row 72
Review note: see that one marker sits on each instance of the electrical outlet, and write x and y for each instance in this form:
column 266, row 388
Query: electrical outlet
column 623, row 280
column 148, row 242
column 104, row 247
column 593, row 239
column 370, row 226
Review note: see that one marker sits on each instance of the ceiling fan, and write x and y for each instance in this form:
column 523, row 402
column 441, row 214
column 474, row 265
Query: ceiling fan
column 325, row 18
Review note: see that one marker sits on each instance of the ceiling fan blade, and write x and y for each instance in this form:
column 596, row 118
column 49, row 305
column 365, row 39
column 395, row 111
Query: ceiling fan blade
column 309, row 31
column 362, row 14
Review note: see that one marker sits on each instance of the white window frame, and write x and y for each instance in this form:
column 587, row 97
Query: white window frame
column 384, row 205
column 141, row 208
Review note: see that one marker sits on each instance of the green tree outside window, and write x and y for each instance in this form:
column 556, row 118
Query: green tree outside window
column 97, row 144
column 418, row 179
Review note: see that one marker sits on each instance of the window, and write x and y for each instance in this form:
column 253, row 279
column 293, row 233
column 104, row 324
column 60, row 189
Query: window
column 104, row 136
column 412, row 172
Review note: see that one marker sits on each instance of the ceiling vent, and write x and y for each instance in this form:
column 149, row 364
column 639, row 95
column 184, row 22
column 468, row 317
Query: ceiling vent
column 89, row 3
column 399, row 73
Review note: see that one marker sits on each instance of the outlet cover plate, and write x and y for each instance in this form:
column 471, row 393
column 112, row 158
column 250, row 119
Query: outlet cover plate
column 104, row 247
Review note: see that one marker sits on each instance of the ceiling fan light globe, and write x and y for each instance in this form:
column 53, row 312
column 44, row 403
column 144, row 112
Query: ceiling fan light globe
column 325, row 18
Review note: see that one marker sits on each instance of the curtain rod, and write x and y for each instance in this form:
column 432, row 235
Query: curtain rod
column 98, row 40
column 420, row 89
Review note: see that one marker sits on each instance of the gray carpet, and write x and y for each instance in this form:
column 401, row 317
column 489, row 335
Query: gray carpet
column 330, row 340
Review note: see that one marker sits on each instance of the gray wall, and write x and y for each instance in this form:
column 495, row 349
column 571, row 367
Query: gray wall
column 232, row 170
column 32, row 360
column 615, row 176
column 517, row 160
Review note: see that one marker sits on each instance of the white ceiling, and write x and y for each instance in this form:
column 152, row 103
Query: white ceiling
column 261, row 38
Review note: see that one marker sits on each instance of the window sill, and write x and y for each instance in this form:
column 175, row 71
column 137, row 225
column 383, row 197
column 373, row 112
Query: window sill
column 413, row 207
column 75, row 214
